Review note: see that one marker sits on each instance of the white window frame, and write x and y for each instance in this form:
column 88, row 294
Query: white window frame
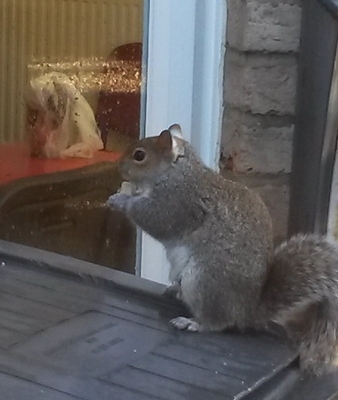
column 184, row 45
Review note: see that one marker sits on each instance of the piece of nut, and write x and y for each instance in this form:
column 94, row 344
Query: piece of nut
column 126, row 188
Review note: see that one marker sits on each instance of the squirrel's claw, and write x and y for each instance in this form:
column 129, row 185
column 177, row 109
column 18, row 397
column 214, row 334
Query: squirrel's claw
column 186, row 323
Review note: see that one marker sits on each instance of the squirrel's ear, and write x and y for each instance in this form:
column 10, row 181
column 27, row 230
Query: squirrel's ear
column 178, row 148
column 176, row 130
column 178, row 144
column 165, row 141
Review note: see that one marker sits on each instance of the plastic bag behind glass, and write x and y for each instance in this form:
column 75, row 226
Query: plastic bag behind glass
column 60, row 121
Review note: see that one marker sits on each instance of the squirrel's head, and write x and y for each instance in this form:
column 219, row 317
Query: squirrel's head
column 147, row 159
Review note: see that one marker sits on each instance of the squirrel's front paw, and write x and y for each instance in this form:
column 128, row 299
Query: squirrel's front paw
column 186, row 323
column 118, row 201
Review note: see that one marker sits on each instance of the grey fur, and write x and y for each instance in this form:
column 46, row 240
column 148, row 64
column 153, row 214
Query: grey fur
column 218, row 238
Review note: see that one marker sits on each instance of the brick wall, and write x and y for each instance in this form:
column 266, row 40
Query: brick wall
column 259, row 95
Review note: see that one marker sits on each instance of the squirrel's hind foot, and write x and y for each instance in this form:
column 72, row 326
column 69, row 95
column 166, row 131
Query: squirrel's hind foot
column 188, row 324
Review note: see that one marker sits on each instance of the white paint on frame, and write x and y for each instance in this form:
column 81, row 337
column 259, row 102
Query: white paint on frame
column 185, row 44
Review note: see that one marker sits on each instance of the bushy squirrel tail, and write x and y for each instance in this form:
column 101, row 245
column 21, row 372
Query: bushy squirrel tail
column 301, row 293
column 318, row 344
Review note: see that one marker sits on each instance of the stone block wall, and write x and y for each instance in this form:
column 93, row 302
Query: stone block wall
column 259, row 93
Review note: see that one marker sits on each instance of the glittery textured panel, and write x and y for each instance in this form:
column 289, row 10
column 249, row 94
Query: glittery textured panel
column 70, row 36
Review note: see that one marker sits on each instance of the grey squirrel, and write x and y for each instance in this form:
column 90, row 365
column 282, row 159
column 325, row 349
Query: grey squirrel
column 218, row 239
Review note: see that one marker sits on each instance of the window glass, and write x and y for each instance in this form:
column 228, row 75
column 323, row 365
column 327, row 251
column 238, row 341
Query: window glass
column 70, row 75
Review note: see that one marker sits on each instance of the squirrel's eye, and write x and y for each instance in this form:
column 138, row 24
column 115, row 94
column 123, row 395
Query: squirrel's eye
column 139, row 155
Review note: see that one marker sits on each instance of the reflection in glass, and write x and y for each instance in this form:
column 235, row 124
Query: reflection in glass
column 70, row 76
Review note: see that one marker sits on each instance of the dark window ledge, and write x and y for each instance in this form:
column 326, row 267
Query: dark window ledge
column 70, row 329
